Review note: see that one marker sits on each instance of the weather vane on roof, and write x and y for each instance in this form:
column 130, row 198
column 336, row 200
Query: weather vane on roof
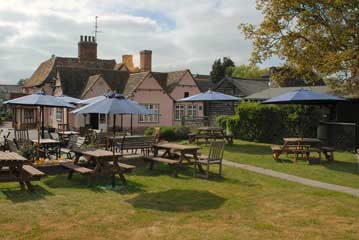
column 96, row 27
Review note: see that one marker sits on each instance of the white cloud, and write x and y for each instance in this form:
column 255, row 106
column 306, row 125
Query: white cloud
column 182, row 34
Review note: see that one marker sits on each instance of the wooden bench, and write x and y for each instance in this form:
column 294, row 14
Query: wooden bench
column 77, row 168
column 171, row 162
column 133, row 144
column 328, row 152
column 33, row 172
column 276, row 151
column 125, row 167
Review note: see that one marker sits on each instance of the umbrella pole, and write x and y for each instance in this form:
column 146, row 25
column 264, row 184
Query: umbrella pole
column 121, row 122
column 63, row 121
column 43, row 122
column 114, row 125
column 131, row 125
column 107, row 136
column 38, row 140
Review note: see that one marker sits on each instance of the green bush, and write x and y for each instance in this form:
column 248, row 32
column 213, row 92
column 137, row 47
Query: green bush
column 170, row 133
column 270, row 123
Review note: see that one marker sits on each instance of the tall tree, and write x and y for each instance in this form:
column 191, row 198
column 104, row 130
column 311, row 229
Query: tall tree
column 313, row 36
column 248, row 71
column 219, row 69
column 22, row 81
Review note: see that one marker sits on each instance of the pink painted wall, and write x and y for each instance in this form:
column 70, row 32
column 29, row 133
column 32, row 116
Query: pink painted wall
column 187, row 84
column 150, row 91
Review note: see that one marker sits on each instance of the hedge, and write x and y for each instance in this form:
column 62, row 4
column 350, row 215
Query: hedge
column 170, row 133
column 270, row 123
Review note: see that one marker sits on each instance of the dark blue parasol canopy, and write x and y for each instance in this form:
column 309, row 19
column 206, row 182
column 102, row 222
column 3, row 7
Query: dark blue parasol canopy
column 208, row 97
column 304, row 96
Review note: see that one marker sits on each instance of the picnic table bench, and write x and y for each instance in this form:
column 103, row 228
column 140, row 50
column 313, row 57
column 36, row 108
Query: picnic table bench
column 16, row 168
column 210, row 133
column 103, row 163
column 304, row 147
column 167, row 156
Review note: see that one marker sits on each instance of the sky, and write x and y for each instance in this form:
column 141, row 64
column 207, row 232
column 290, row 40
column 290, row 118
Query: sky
column 182, row 34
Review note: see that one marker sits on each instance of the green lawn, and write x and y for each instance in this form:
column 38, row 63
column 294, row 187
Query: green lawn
column 343, row 171
column 241, row 205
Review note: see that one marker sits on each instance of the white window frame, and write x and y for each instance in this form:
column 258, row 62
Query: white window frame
column 180, row 112
column 150, row 118
column 59, row 114
column 192, row 111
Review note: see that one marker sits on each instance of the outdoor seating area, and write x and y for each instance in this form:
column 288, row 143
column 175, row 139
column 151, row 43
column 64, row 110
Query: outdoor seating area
column 210, row 134
column 303, row 147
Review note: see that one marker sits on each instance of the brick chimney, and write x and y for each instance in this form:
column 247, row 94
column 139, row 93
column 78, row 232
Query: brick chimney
column 146, row 60
column 87, row 48
column 128, row 61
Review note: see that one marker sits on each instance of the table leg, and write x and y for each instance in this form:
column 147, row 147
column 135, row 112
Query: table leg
column 29, row 186
column 77, row 157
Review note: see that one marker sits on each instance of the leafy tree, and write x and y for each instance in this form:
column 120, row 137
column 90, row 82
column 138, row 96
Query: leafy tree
column 287, row 76
column 22, row 81
column 227, row 63
column 313, row 36
column 249, row 71
column 219, row 69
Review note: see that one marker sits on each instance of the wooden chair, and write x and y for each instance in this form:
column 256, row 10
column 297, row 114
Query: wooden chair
column 21, row 137
column 215, row 156
column 74, row 142
column 12, row 146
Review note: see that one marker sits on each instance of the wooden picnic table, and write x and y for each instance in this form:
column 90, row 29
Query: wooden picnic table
column 210, row 133
column 47, row 143
column 67, row 133
column 105, row 163
column 303, row 146
column 13, row 168
column 169, row 149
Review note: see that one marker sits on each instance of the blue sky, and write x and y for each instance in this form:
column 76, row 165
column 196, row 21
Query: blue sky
column 182, row 34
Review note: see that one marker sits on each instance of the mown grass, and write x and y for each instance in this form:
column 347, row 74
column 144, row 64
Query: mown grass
column 342, row 171
column 241, row 205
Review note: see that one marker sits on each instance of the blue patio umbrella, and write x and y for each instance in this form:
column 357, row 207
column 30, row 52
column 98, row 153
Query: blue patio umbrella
column 304, row 96
column 91, row 100
column 40, row 99
column 209, row 96
column 69, row 99
column 114, row 103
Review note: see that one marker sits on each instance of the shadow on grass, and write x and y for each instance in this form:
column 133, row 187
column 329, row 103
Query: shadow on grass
column 100, row 186
column 348, row 167
column 177, row 200
column 248, row 149
column 18, row 195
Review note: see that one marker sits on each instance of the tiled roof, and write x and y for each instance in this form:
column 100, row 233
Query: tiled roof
column 6, row 89
column 133, row 82
column 169, row 80
column 75, row 81
column 46, row 72
column 204, row 82
column 247, row 86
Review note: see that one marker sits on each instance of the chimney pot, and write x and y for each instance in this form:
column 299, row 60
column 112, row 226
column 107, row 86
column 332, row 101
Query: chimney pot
column 146, row 60
column 93, row 39
column 87, row 48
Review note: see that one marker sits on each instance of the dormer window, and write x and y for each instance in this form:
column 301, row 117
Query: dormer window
column 186, row 94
